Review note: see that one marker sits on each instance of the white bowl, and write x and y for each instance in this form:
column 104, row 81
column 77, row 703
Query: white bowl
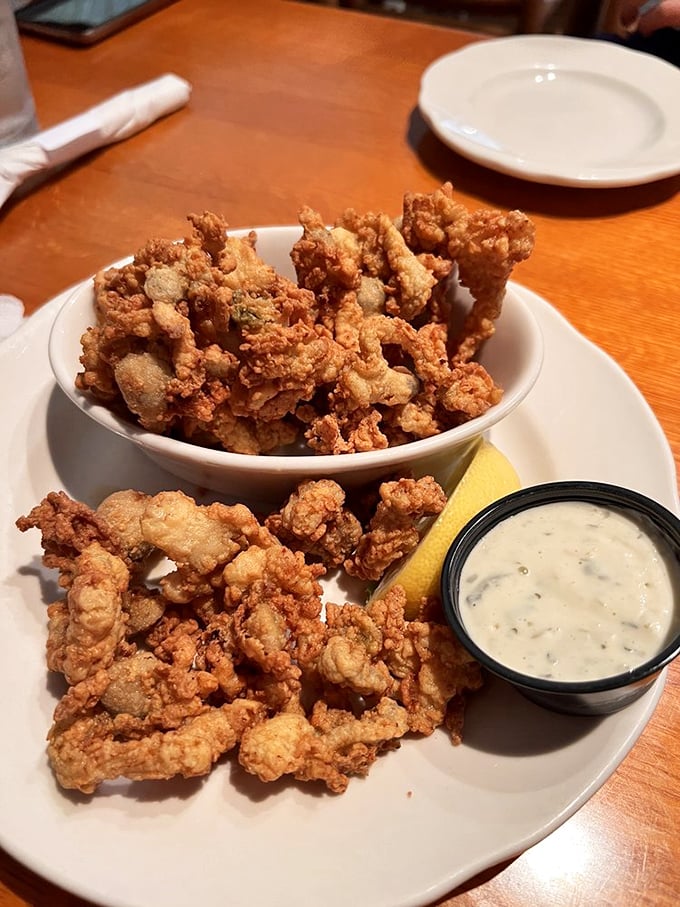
column 513, row 356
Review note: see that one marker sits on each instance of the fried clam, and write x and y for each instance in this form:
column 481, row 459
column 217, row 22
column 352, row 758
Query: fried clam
column 485, row 246
column 395, row 528
column 229, row 649
column 290, row 744
column 185, row 327
column 89, row 751
column 315, row 520
column 202, row 340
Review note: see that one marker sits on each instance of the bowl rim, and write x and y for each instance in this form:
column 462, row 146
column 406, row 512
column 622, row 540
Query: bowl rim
column 286, row 464
column 617, row 496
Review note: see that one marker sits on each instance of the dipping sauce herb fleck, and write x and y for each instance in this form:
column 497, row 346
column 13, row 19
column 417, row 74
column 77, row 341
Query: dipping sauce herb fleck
column 569, row 591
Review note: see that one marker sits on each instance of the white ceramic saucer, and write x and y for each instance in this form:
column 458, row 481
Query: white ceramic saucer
column 560, row 110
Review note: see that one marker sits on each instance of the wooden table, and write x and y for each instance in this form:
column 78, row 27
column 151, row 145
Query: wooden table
column 298, row 103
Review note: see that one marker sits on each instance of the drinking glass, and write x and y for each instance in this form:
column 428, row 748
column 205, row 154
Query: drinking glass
column 17, row 110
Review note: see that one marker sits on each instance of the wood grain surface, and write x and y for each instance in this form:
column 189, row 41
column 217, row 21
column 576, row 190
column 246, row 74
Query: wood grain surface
column 294, row 103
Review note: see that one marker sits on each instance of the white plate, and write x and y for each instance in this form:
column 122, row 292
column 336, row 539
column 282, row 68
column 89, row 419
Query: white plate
column 428, row 817
column 553, row 109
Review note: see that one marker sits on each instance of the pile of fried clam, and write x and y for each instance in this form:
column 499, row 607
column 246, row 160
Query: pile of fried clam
column 229, row 648
column 203, row 341
column 190, row 630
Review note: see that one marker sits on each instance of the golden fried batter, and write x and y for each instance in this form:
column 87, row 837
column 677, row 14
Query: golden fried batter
column 315, row 520
column 89, row 751
column 96, row 619
column 289, row 744
column 485, row 245
column 203, row 340
column 394, row 530
column 231, row 647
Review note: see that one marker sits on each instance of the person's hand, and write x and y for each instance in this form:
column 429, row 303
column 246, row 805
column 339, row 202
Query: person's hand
column 665, row 15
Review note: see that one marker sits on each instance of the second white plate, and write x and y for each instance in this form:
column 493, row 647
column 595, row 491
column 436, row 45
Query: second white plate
column 555, row 109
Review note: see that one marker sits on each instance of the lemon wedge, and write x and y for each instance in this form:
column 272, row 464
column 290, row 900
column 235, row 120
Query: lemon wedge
column 488, row 476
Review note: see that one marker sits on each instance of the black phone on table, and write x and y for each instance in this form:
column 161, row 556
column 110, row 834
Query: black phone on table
column 82, row 21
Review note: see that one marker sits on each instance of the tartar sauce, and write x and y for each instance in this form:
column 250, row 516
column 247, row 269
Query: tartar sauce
column 569, row 591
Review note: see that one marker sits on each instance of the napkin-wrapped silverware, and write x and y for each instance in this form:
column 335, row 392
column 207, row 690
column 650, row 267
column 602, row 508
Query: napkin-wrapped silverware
column 111, row 121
